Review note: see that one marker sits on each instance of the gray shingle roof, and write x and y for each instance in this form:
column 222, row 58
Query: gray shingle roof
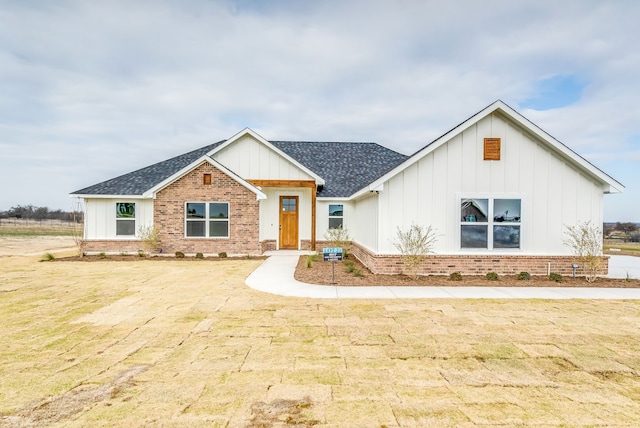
column 345, row 167
column 141, row 180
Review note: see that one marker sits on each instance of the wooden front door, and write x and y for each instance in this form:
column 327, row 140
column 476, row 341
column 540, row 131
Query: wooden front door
column 289, row 222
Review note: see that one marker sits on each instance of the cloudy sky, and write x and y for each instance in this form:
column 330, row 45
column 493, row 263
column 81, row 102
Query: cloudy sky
column 90, row 90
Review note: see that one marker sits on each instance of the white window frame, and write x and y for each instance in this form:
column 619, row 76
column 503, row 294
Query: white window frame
column 334, row 216
column 491, row 222
column 126, row 219
column 207, row 220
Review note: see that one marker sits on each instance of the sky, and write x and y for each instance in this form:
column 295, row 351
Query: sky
column 92, row 90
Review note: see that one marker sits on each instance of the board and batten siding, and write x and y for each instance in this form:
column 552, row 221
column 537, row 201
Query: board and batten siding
column 253, row 160
column 364, row 223
column 322, row 216
column 554, row 192
column 100, row 217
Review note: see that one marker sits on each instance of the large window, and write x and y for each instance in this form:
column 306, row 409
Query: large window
column 207, row 219
column 336, row 216
column 125, row 219
column 490, row 223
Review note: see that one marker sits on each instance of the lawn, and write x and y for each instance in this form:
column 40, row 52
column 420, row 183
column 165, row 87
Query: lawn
column 186, row 343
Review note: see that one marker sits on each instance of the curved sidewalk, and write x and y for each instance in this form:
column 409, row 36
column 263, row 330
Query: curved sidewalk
column 275, row 276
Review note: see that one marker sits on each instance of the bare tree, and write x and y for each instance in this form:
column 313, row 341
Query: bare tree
column 77, row 227
column 585, row 241
column 414, row 245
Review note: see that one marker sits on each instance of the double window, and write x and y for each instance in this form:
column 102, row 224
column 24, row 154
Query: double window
column 490, row 223
column 125, row 219
column 207, row 219
column 336, row 216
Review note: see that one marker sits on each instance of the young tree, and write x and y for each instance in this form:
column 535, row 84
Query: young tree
column 77, row 227
column 585, row 241
column 150, row 237
column 414, row 245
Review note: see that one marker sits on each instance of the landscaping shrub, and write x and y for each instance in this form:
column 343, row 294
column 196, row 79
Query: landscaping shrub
column 556, row 277
column 524, row 276
column 357, row 272
column 309, row 262
column 142, row 253
column 222, row 255
column 179, row 255
column 492, row 276
column 455, row 276
column 48, row 257
column 414, row 245
column 349, row 266
column 103, row 255
column 585, row 241
column 199, row 256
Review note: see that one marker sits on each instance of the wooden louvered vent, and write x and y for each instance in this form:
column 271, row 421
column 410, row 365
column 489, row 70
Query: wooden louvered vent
column 492, row 149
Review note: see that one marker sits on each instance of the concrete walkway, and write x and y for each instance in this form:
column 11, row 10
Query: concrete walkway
column 275, row 276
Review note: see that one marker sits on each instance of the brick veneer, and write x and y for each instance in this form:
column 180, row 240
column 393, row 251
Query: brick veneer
column 436, row 264
column 113, row 246
column 169, row 213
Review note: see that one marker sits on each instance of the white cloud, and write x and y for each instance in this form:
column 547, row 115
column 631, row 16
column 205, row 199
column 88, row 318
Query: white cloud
column 106, row 87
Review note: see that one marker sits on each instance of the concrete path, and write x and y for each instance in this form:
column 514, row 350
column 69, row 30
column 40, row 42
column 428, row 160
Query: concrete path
column 275, row 276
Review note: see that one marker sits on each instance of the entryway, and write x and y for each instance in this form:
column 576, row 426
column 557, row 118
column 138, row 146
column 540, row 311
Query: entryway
column 289, row 222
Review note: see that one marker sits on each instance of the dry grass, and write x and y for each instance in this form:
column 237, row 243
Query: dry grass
column 188, row 344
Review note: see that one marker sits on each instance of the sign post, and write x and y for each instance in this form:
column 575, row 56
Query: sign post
column 332, row 255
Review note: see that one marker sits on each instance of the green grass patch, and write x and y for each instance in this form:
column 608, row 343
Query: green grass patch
column 10, row 230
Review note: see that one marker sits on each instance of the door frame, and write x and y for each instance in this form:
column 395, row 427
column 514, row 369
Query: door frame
column 296, row 223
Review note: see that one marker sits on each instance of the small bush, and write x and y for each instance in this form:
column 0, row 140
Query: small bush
column 556, row 277
column 492, row 276
column 357, row 272
column 455, row 276
column 222, row 255
column 248, row 256
column 349, row 266
column 313, row 257
column 179, row 255
column 199, row 256
column 142, row 253
column 524, row 276
column 48, row 257
column 103, row 255
column 309, row 262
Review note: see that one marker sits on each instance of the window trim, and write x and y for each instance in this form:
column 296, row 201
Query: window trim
column 329, row 216
column 126, row 219
column 490, row 223
column 207, row 219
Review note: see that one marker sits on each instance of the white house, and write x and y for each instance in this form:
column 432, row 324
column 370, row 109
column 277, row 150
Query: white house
column 497, row 189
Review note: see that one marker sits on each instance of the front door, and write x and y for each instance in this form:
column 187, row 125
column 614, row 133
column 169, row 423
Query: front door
column 289, row 222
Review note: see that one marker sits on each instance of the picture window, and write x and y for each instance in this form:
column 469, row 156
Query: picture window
column 490, row 223
column 207, row 219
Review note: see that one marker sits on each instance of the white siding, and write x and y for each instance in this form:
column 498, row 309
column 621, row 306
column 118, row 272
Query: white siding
column 253, row 160
column 553, row 192
column 100, row 217
column 364, row 221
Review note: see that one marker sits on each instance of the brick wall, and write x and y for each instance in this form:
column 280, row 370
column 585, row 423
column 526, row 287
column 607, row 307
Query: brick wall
column 169, row 214
column 113, row 246
column 472, row 264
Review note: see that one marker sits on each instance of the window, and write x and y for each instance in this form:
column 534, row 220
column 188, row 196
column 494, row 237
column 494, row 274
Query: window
column 207, row 219
column 336, row 217
column 125, row 219
column 490, row 223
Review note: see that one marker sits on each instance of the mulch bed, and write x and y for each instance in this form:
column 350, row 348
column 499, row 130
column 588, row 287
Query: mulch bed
column 320, row 273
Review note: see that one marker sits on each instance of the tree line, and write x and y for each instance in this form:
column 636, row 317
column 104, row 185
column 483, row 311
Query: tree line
column 625, row 231
column 31, row 212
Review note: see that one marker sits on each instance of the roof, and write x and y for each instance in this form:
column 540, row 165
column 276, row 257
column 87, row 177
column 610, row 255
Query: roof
column 346, row 167
column 141, row 180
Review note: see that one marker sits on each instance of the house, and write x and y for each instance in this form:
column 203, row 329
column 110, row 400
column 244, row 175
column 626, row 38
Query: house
column 497, row 189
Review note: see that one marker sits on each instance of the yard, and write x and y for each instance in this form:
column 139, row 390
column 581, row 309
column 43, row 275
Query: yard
column 186, row 343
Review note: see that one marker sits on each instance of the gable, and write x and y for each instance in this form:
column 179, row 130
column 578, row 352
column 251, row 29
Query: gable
column 492, row 123
column 253, row 160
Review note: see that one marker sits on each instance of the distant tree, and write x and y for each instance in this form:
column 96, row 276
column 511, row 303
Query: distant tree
column 626, row 228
